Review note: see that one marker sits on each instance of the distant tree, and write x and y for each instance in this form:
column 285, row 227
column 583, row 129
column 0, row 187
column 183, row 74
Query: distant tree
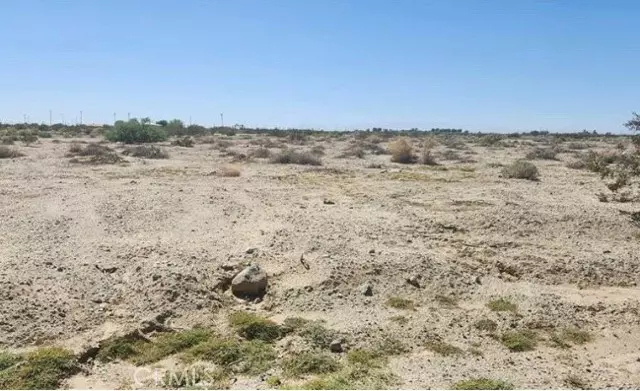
column 134, row 131
column 634, row 123
column 162, row 123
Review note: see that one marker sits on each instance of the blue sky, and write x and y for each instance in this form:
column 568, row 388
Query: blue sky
column 493, row 65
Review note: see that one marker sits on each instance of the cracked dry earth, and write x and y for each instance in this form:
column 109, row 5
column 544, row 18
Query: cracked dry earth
column 89, row 251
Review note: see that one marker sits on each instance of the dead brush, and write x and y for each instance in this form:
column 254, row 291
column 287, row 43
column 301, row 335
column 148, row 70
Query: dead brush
column 289, row 156
column 402, row 152
column 229, row 172
column 96, row 154
column 9, row 153
column 427, row 158
column 146, row 151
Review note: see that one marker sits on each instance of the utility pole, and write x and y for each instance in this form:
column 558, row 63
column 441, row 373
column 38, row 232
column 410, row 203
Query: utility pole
column 50, row 118
column 63, row 121
column 222, row 120
column 80, row 117
column 114, row 118
column 189, row 120
column 25, row 118
column 128, row 116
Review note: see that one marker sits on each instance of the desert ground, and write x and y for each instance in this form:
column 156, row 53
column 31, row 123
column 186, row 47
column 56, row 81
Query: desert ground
column 449, row 272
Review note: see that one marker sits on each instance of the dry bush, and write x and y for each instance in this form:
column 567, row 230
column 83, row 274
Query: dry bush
column 186, row 142
column 223, row 144
column 98, row 154
column 261, row 153
column 402, row 152
column 229, row 171
column 352, row 151
column 9, row 153
column 235, row 155
column 317, row 150
column 147, row 151
column 427, row 158
column 289, row 156
column 543, row 154
column 521, row 170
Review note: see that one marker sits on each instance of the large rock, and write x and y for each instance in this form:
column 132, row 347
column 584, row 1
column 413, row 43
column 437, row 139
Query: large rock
column 251, row 282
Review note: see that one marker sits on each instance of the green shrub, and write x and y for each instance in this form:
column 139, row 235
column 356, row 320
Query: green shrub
column 134, row 131
column 520, row 341
column 521, row 170
column 252, row 326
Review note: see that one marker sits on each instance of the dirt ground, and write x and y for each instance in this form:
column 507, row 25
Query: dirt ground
column 92, row 250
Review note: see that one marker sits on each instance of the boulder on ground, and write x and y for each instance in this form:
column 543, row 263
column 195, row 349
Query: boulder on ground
column 250, row 282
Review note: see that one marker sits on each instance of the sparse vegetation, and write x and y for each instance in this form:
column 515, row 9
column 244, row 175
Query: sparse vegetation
column 44, row 368
column 486, row 325
column 427, row 158
column 482, row 384
column 250, row 357
column 310, row 363
column 9, row 153
column 261, row 153
column 289, row 156
column 576, row 382
column 139, row 351
column 521, row 170
column 252, row 326
column 96, row 153
column 543, row 154
column 446, row 301
column 401, row 303
column 229, row 171
column 186, row 142
column 567, row 337
column 520, row 341
column 442, row 348
column 147, row 151
column 502, row 304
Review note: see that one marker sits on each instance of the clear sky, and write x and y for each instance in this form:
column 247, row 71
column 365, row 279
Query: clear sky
column 489, row 65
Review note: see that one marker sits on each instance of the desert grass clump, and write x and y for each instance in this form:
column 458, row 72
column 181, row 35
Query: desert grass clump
column 482, row 383
column 9, row 153
column 519, row 341
column 568, row 337
column 248, row 357
column 543, row 154
column 141, row 351
column 229, row 172
column 521, row 170
column 96, row 153
column 446, row 301
column 252, row 326
column 289, row 156
column 305, row 363
column 317, row 335
column 443, row 348
column 402, row 152
column 486, row 325
column 401, row 303
column 147, row 151
column 502, row 304
column 42, row 369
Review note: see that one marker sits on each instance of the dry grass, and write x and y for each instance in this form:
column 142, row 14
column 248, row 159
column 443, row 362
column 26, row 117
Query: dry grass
column 229, row 172
column 289, row 156
column 521, row 170
column 146, row 151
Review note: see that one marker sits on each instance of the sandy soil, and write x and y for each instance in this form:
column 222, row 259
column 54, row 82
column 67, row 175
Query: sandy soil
column 91, row 250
